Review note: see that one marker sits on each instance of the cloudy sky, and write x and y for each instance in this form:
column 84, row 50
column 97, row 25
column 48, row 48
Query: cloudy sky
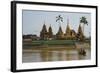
column 34, row 20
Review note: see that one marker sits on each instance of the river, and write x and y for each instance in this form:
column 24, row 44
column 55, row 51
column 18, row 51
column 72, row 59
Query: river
column 54, row 55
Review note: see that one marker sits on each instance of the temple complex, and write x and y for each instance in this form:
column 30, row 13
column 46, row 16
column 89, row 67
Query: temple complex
column 69, row 34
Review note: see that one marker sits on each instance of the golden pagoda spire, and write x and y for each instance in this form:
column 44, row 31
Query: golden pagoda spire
column 67, row 21
column 68, row 27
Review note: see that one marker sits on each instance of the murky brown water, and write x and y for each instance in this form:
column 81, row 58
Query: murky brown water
column 54, row 55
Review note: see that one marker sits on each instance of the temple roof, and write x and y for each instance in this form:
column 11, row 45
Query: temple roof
column 60, row 31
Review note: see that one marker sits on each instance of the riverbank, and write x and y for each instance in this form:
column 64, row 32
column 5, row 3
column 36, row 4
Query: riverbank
column 52, row 48
column 55, row 45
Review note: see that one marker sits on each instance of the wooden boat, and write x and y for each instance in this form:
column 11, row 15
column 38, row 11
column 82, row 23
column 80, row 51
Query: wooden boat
column 82, row 52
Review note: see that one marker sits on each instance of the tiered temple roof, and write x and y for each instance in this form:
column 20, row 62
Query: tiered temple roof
column 69, row 33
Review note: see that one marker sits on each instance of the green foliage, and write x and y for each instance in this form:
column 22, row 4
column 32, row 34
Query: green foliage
column 54, row 42
column 83, row 20
column 59, row 18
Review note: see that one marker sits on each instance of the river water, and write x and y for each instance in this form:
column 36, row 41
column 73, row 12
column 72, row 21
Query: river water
column 54, row 55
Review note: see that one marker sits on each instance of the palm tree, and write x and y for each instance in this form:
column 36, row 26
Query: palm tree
column 84, row 21
column 59, row 19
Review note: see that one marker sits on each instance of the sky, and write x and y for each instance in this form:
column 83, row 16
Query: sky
column 33, row 21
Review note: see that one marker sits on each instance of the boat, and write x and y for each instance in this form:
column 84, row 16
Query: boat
column 82, row 52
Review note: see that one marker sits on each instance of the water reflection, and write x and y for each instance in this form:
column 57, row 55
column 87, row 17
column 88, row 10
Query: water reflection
column 54, row 55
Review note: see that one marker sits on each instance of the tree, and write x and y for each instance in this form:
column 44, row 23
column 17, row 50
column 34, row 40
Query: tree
column 59, row 19
column 84, row 21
